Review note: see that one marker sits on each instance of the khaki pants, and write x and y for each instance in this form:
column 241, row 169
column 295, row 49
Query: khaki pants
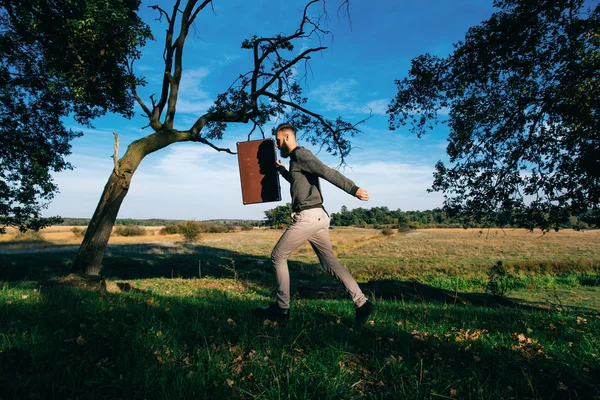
column 311, row 225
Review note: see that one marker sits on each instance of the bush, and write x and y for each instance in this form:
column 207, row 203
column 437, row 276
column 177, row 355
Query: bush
column 169, row 230
column 213, row 228
column 499, row 281
column 387, row 231
column 247, row 227
column 28, row 236
column 78, row 232
column 129, row 230
column 190, row 230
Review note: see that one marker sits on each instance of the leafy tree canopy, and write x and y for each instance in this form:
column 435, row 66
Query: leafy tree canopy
column 279, row 216
column 523, row 96
column 58, row 58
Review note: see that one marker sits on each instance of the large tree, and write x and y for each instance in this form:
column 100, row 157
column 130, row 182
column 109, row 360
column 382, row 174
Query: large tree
column 59, row 58
column 269, row 89
column 522, row 96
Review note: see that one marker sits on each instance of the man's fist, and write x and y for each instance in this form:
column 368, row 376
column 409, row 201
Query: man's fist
column 362, row 194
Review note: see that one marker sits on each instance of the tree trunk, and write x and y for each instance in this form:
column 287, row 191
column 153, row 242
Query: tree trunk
column 91, row 252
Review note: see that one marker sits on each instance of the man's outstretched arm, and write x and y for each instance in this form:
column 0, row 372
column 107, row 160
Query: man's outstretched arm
column 312, row 164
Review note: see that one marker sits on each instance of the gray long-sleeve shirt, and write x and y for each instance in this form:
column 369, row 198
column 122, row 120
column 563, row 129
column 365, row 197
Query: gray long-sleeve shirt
column 303, row 176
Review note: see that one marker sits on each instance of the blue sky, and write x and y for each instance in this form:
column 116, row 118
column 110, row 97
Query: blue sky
column 355, row 73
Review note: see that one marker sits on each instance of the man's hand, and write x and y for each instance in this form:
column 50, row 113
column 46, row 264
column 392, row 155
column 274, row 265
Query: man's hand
column 279, row 163
column 362, row 194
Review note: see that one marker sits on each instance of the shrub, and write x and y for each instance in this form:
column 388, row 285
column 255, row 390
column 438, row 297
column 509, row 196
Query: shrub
column 169, row 230
column 213, row 228
column 28, row 236
column 129, row 230
column 499, row 280
column 247, row 227
column 78, row 232
column 190, row 230
column 387, row 231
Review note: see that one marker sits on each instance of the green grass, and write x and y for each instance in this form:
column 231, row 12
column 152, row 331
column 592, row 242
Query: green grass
column 174, row 339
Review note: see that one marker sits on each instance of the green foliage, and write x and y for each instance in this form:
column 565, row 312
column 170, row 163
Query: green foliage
column 190, row 230
column 523, row 98
column 380, row 217
column 169, row 229
column 129, row 230
column 500, row 280
column 213, row 228
column 387, row 232
column 58, row 58
column 279, row 216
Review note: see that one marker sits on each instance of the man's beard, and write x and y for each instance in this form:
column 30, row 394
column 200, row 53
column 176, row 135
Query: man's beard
column 283, row 150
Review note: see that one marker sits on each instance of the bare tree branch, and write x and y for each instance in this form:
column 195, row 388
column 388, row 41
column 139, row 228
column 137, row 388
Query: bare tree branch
column 168, row 57
column 161, row 12
column 115, row 155
column 206, row 142
column 291, row 64
column 252, row 130
column 200, row 8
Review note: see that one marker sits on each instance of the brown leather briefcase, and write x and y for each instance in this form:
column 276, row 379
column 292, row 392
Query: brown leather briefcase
column 258, row 171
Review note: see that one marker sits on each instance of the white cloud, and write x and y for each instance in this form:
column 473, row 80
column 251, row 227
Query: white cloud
column 192, row 98
column 198, row 107
column 191, row 181
column 378, row 106
column 191, row 83
column 390, row 184
column 336, row 96
column 342, row 96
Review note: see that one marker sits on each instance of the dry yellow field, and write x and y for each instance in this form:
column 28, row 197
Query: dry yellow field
column 370, row 254
column 459, row 251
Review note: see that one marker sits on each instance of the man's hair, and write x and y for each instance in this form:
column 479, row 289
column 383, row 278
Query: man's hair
column 285, row 126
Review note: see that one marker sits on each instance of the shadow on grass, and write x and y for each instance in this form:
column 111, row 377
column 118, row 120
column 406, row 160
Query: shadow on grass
column 72, row 343
column 412, row 291
column 187, row 261
column 30, row 246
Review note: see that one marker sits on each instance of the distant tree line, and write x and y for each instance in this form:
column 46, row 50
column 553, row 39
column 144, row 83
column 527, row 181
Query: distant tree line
column 384, row 218
column 160, row 222
column 380, row 217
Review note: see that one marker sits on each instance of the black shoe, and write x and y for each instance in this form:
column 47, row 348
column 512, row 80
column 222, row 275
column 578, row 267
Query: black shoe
column 363, row 312
column 273, row 311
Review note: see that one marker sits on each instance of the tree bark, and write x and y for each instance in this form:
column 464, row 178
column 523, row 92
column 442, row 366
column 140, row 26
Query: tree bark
column 91, row 252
